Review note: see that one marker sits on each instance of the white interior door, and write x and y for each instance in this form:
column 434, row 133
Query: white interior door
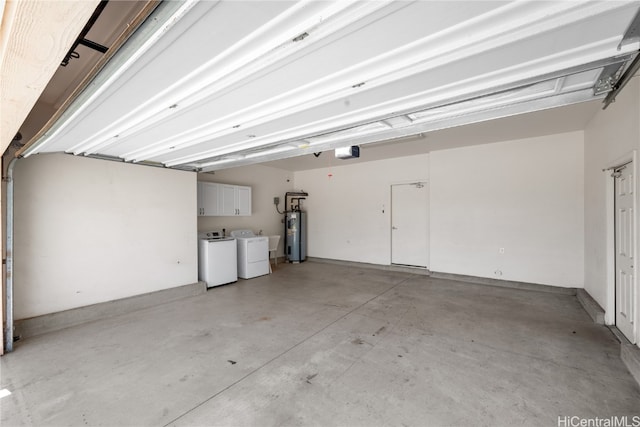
column 409, row 224
column 624, row 235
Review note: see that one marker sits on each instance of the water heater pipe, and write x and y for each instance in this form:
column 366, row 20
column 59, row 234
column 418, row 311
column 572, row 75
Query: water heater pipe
column 288, row 194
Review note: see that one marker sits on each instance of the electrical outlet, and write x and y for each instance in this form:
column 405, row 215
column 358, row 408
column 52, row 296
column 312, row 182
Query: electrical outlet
column 501, row 250
column 276, row 200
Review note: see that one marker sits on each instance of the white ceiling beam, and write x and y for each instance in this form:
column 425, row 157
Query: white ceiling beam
column 478, row 86
column 422, row 55
column 475, row 117
column 270, row 87
column 273, row 42
column 121, row 63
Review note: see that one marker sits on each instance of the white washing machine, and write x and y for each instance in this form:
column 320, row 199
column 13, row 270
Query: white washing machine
column 217, row 259
column 253, row 254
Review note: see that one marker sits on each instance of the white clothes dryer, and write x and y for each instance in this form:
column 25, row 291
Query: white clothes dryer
column 253, row 254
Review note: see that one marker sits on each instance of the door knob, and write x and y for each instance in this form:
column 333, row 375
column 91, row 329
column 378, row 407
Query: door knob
column 394, row 228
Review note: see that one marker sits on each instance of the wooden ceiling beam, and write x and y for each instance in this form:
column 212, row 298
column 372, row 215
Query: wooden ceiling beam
column 34, row 38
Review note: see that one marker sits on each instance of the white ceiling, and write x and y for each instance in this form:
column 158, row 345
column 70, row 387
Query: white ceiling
column 210, row 85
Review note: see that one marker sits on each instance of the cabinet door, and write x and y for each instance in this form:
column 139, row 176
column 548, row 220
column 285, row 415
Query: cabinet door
column 210, row 199
column 227, row 199
column 207, row 199
column 244, row 200
column 200, row 199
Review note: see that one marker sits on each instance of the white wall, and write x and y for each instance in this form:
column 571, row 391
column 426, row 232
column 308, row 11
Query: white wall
column 345, row 210
column 611, row 134
column 89, row 231
column 266, row 183
column 525, row 196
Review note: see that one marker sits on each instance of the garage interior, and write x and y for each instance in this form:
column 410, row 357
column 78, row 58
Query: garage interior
column 496, row 292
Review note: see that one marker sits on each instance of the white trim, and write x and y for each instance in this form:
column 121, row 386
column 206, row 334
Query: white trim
column 610, row 308
column 636, row 203
column 427, row 185
column 610, row 314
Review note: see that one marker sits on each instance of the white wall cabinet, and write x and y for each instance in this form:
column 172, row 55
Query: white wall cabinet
column 228, row 205
column 223, row 199
column 243, row 199
column 208, row 199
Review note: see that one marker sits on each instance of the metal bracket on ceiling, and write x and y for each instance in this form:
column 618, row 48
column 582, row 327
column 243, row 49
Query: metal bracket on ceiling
column 81, row 37
column 631, row 35
column 622, row 81
column 608, row 78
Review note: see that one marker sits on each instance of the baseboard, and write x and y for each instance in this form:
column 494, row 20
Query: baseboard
column 398, row 268
column 280, row 260
column 504, row 283
column 619, row 335
column 630, row 355
column 33, row 326
column 450, row 276
column 590, row 305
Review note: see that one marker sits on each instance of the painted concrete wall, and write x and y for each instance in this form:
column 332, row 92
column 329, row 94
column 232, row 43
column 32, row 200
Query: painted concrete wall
column 266, row 183
column 89, row 231
column 611, row 135
column 525, row 196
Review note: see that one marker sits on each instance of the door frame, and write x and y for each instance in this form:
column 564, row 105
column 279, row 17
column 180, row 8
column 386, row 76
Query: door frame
column 610, row 309
column 427, row 184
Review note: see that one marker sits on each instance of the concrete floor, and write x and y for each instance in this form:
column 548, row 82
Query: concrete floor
column 321, row 344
